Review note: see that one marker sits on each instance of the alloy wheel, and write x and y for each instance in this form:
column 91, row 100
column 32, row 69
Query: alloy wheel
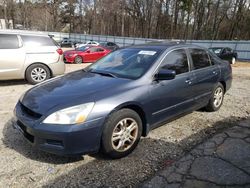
column 38, row 74
column 218, row 97
column 124, row 134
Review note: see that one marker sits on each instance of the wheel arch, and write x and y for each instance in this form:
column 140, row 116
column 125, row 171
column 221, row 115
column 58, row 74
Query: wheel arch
column 224, row 85
column 51, row 73
column 139, row 110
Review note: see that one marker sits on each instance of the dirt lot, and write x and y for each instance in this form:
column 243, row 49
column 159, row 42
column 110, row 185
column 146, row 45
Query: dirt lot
column 23, row 166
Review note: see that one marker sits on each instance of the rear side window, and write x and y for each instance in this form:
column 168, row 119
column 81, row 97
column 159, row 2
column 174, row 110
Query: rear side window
column 200, row 58
column 36, row 41
column 8, row 41
column 176, row 60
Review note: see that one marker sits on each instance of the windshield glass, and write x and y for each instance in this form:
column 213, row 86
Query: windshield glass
column 129, row 63
column 216, row 50
column 83, row 48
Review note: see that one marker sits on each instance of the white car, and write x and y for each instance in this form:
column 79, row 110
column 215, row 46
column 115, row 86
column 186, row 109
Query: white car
column 32, row 57
column 91, row 42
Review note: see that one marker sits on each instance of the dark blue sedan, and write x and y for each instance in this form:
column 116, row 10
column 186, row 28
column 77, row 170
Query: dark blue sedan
column 109, row 105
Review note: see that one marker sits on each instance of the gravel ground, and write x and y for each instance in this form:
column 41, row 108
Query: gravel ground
column 23, row 166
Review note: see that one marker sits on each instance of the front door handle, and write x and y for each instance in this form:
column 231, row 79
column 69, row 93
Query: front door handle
column 215, row 72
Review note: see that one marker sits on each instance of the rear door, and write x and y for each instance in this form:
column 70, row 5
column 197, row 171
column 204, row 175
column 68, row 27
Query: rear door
column 12, row 56
column 40, row 49
column 207, row 75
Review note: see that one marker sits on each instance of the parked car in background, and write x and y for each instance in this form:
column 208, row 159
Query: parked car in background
column 32, row 57
column 91, row 42
column 225, row 53
column 110, row 45
column 109, row 105
column 85, row 54
column 67, row 43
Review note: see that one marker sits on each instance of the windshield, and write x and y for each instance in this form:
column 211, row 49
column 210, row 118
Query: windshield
column 129, row 63
column 83, row 48
column 216, row 50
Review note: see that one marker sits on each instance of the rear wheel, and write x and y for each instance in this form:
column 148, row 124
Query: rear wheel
column 121, row 134
column 78, row 60
column 37, row 73
column 217, row 98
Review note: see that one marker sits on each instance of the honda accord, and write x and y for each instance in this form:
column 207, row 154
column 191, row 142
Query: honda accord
column 110, row 104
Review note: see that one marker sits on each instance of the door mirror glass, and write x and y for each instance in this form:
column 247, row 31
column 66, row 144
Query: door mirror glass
column 165, row 74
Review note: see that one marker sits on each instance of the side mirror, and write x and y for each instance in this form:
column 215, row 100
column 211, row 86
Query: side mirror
column 165, row 74
column 88, row 51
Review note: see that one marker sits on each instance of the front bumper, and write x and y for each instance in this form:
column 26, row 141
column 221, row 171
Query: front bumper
column 59, row 139
column 68, row 59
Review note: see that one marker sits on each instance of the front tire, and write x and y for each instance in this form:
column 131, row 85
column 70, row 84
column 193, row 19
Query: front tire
column 121, row 134
column 37, row 73
column 216, row 100
column 78, row 60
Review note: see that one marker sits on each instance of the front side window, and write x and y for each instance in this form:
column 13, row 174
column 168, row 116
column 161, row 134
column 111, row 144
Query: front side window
column 93, row 49
column 83, row 48
column 200, row 58
column 130, row 63
column 176, row 60
column 8, row 41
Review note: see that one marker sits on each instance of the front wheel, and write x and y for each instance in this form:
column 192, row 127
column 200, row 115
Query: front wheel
column 78, row 60
column 121, row 134
column 216, row 100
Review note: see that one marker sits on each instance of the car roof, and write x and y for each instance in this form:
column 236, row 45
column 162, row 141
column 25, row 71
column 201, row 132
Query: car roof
column 217, row 47
column 165, row 45
column 8, row 32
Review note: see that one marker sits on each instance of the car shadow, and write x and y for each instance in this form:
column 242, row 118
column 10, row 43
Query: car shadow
column 150, row 156
column 13, row 82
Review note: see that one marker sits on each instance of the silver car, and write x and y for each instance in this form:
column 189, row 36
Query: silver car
column 32, row 57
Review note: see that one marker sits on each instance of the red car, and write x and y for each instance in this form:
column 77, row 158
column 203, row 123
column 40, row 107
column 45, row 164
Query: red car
column 85, row 54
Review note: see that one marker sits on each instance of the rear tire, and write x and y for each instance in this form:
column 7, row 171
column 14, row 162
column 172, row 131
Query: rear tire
column 37, row 73
column 216, row 100
column 78, row 60
column 121, row 134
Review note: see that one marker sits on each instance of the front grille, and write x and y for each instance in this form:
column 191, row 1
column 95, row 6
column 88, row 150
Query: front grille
column 30, row 112
column 25, row 133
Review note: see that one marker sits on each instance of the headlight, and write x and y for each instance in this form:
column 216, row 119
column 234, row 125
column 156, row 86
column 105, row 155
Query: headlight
column 72, row 115
column 70, row 55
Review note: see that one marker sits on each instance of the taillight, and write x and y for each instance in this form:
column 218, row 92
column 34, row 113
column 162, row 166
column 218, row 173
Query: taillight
column 59, row 51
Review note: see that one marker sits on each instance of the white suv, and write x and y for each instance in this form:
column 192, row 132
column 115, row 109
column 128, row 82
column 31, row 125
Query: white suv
column 32, row 57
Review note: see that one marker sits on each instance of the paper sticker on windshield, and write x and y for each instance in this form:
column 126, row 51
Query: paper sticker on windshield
column 144, row 52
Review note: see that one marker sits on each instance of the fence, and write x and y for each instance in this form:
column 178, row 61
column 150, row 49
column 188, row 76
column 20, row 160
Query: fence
column 240, row 46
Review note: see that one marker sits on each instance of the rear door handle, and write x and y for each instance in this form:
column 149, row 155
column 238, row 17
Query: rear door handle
column 188, row 81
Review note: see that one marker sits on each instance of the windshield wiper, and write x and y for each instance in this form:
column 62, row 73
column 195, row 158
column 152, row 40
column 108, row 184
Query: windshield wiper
column 104, row 73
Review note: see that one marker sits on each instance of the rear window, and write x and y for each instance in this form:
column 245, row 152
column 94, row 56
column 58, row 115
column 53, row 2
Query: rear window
column 36, row 41
column 8, row 41
column 200, row 58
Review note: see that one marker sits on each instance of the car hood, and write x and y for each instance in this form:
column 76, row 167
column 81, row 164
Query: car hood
column 71, row 89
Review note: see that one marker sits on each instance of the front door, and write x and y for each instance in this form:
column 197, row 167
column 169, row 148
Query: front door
column 169, row 98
